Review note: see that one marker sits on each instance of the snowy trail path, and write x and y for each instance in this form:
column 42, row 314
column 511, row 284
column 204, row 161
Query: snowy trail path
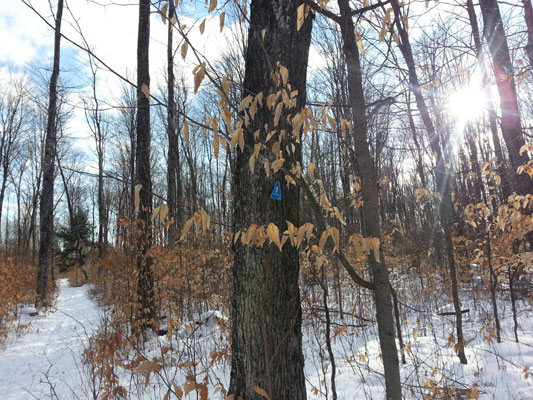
column 48, row 353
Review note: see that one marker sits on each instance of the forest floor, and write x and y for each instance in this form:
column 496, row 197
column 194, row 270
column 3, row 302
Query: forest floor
column 44, row 360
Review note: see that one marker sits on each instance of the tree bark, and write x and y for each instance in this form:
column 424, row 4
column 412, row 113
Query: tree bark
column 46, row 207
column 145, row 281
column 503, row 71
column 266, row 330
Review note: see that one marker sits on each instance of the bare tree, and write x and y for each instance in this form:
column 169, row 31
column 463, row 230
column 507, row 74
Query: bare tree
column 13, row 115
column 46, row 208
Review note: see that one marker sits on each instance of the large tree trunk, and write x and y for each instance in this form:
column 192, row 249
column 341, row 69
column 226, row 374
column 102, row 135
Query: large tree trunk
column 46, row 207
column 145, row 283
column 371, row 218
column 503, row 72
column 266, row 331
column 442, row 174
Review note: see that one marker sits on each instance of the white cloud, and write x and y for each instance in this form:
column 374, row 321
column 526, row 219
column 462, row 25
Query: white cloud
column 24, row 35
column 111, row 32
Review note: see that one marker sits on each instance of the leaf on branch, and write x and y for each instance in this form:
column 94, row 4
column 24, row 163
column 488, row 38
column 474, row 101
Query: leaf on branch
column 164, row 13
column 302, row 230
column 252, row 163
column 236, row 237
column 146, row 368
column 204, row 392
column 277, row 116
column 323, row 239
column 335, row 235
column 226, row 117
column 212, row 5
column 526, row 147
column 186, row 228
column 249, row 234
column 186, row 133
column 301, row 16
column 374, row 245
column 202, row 27
column 222, row 18
column 238, row 138
column 188, row 364
column 216, row 139
column 155, row 213
column 137, row 197
column 184, row 49
column 146, row 90
column 276, row 165
column 199, row 74
column 273, row 235
column 189, row 386
column 359, row 42
column 338, row 215
column 262, row 392
column 163, row 213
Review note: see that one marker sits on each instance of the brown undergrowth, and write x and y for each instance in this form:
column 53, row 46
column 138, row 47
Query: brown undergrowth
column 17, row 287
column 189, row 280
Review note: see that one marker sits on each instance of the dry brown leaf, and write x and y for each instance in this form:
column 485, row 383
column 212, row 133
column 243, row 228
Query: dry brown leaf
column 262, row 392
column 146, row 90
column 186, row 133
column 300, row 16
column 222, row 18
column 273, row 235
column 199, row 74
column 184, row 49
column 137, row 197
column 155, row 213
column 276, row 165
column 186, row 228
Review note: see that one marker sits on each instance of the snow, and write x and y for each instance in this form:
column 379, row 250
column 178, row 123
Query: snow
column 45, row 360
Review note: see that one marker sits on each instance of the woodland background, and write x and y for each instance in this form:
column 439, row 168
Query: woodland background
column 400, row 134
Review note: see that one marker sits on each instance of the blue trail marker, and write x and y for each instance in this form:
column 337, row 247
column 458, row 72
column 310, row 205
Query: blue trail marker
column 276, row 192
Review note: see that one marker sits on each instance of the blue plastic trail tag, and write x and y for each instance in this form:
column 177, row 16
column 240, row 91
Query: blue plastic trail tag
column 276, row 192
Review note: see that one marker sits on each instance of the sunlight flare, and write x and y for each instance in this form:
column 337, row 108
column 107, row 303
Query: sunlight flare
column 467, row 103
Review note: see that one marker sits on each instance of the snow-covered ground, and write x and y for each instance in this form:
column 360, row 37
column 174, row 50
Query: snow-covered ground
column 45, row 360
